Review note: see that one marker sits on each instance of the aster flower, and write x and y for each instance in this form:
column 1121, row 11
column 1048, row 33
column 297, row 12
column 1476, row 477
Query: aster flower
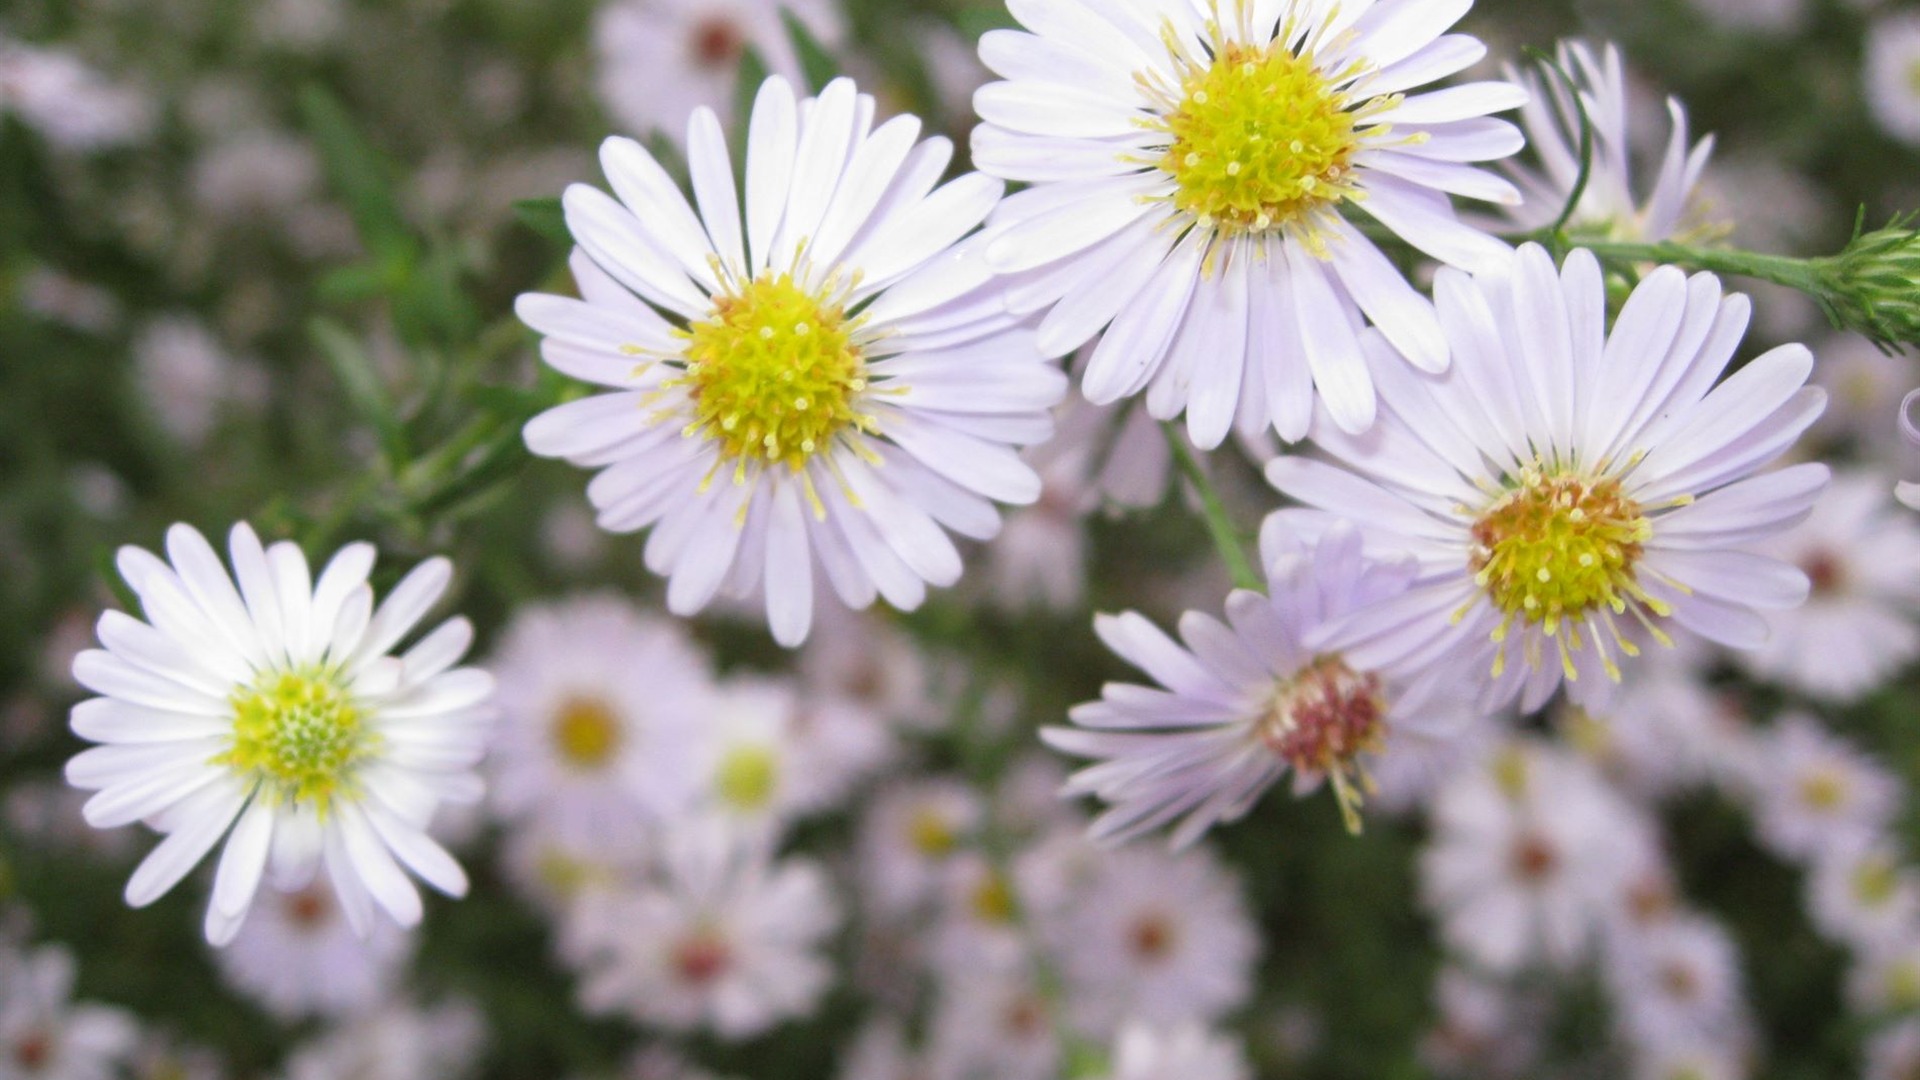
column 44, row 1033
column 298, row 957
column 1156, row 936
column 719, row 936
column 1814, row 792
column 1861, row 553
column 1893, row 53
column 1531, row 856
column 601, row 709
column 1673, row 207
column 275, row 711
column 1190, row 165
column 656, row 61
column 840, row 385
column 1568, row 491
column 1244, row 702
column 1188, row 1051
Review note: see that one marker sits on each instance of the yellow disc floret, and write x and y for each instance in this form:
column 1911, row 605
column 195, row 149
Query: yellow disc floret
column 586, row 732
column 1261, row 138
column 1558, row 547
column 774, row 373
column 301, row 734
column 747, row 776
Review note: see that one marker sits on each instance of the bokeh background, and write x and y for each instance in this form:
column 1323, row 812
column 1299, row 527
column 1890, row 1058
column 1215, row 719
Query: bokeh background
column 257, row 259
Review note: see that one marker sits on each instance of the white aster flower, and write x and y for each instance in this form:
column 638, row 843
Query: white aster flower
column 1886, row 978
column 44, row 1034
column 1566, row 489
column 1156, row 936
column 657, row 61
column 1530, row 858
column 841, row 384
column 1894, row 1052
column 1191, row 162
column 1675, row 984
column 1673, row 208
column 1893, row 75
column 908, row 839
column 767, row 756
column 1188, row 1051
column 1863, row 894
column 399, row 1042
column 720, row 936
column 1814, row 792
column 298, row 956
column 69, row 103
column 602, row 712
column 994, row 1021
column 1244, row 702
column 275, row 711
column 1656, row 735
column 1861, row 552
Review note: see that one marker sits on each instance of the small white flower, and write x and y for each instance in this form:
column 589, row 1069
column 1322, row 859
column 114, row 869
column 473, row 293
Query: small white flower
column 1673, row 208
column 1270, row 690
column 847, row 386
column 398, row 1042
column 1894, row 1052
column 1862, row 894
column 1191, row 162
column 909, row 837
column 1675, row 984
column 1186, row 1051
column 298, row 956
column 43, row 1033
column 995, row 1022
column 720, row 936
column 1814, row 792
column 1566, row 489
column 767, row 756
column 69, row 103
column 658, row 60
column 186, row 376
column 1886, row 978
column 1656, row 735
column 1530, row 857
column 1154, row 936
column 1861, row 553
column 275, row 711
column 602, row 714
column 1893, row 74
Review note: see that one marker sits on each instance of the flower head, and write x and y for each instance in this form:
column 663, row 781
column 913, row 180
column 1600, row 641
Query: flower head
column 1192, row 167
column 275, row 711
column 1271, row 691
column 832, row 380
column 1571, row 493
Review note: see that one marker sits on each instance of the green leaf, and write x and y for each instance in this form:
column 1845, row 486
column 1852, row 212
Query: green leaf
column 815, row 61
column 546, row 217
column 368, row 396
column 357, row 172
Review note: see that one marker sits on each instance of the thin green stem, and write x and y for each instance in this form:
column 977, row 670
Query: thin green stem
column 1806, row 275
column 1219, row 524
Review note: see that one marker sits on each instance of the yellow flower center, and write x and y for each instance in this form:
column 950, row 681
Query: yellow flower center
column 1321, row 721
column 586, row 732
column 931, row 834
column 300, row 733
column 1824, row 789
column 1261, row 138
column 774, row 373
column 1876, row 881
column 1557, row 548
column 993, row 899
column 746, row 777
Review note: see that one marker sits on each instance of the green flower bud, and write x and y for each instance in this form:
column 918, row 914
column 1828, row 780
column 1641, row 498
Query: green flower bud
column 1873, row 287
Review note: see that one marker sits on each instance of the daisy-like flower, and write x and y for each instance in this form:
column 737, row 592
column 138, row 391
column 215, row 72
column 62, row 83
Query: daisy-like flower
column 1188, row 1051
column 720, row 936
column 1674, row 208
column 299, row 957
column 1244, row 702
column 1893, row 75
column 840, row 385
column 602, row 709
column 1814, row 792
column 1861, row 552
column 1570, row 491
column 1191, row 163
column 275, row 712
column 44, row 1033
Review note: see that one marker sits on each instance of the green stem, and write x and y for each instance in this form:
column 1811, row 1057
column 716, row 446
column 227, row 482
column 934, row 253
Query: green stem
column 1807, row 275
column 1225, row 537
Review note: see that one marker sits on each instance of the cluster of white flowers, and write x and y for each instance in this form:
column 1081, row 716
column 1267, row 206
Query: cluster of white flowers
column 1525, row 514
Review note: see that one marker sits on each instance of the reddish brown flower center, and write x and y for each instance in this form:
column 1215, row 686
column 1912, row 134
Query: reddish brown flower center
column 307, row 908
column 1825, row 573
column 701, row 959
column 1680, row 981
column 34, row 1052
column 1534, row 860
column 1152, row 937
column 717, row 42
column 1322, row 720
